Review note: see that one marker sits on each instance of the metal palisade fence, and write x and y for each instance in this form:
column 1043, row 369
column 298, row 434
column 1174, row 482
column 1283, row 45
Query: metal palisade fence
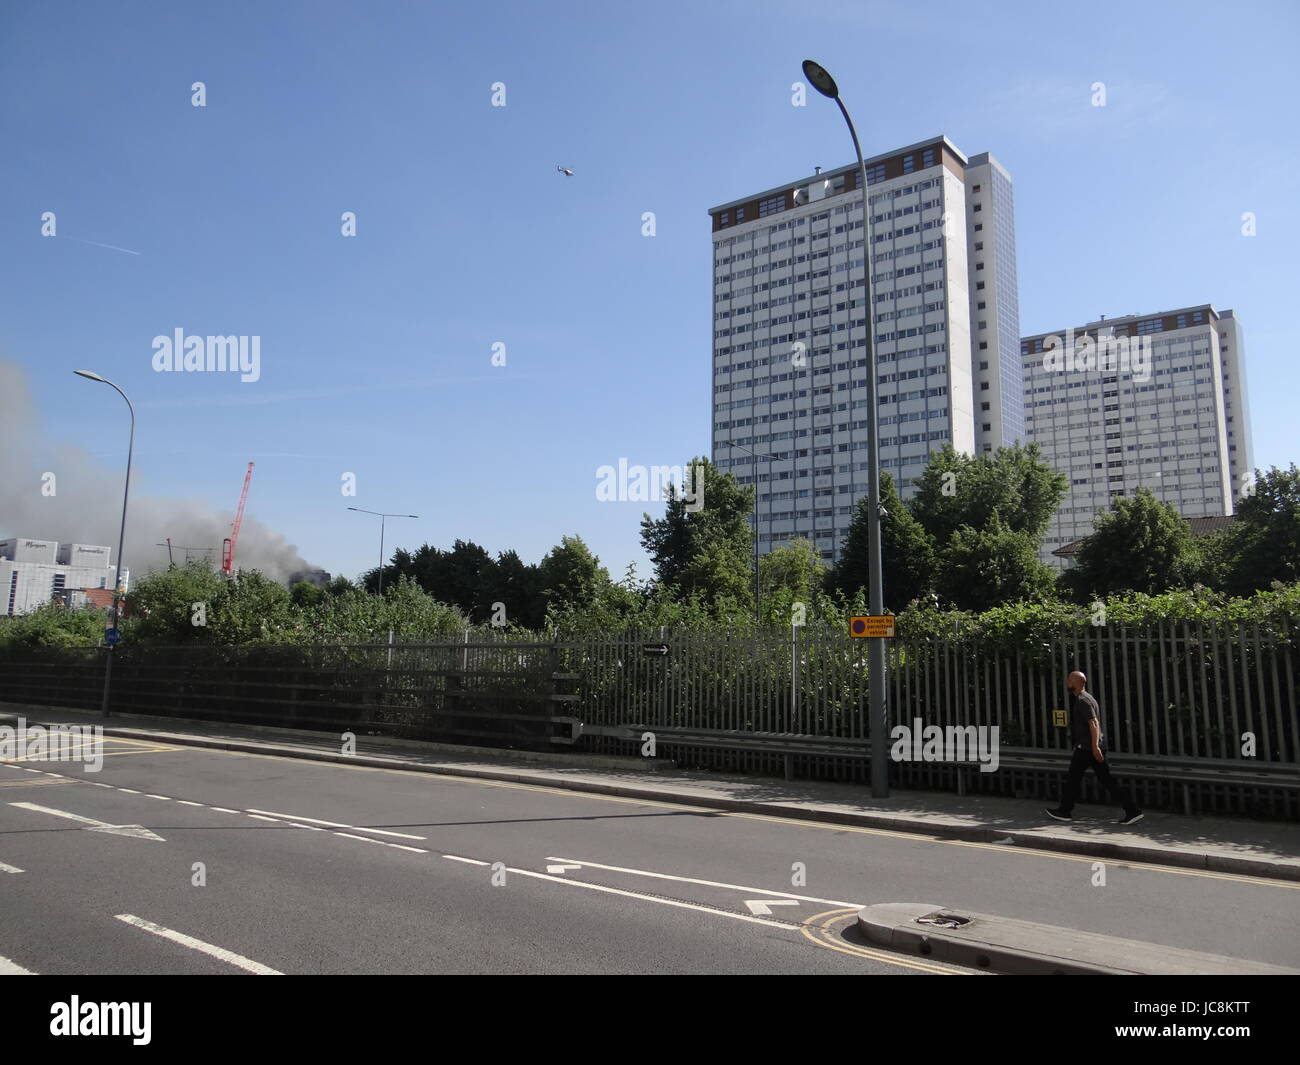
column 1198, row 714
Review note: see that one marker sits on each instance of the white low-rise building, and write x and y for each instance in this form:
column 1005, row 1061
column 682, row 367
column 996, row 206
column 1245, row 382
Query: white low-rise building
column 35, row 572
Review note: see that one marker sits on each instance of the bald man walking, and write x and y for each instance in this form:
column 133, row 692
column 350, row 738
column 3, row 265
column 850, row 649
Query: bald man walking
column 1089, row 752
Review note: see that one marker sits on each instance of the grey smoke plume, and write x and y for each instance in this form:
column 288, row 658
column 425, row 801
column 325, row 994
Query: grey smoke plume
column 87, row 505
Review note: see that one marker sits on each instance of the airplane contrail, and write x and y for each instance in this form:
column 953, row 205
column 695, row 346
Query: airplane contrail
column 112, row 247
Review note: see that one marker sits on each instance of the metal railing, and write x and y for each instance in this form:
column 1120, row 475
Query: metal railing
column 1168, row 693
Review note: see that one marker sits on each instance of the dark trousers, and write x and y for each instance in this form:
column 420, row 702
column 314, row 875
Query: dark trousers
column 1080, row 764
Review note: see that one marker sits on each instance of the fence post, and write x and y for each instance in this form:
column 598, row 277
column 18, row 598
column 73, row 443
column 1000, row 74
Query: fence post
column 794, row 677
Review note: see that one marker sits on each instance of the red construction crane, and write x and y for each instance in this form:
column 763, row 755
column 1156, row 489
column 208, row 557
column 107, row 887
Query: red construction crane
column 231, row 541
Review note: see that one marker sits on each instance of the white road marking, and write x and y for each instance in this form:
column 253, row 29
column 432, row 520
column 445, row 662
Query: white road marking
column 708, row 883
column 764, row 906
column 135, row 831
column 651, row 898
column 222, row 810
column 220, row 953
column 382, row 843
column 293, row 824
column 9, row 868
column 561, row 868
column 8, row 968
column 165, row 798
column 628, row 894
column 129, row 791
column 186, row 802
column 335, row 824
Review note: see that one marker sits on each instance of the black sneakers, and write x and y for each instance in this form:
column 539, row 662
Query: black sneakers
column 1130, row 817
column 1060, row 814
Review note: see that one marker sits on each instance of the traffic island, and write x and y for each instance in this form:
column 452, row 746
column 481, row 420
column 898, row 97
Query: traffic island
column 1006, row 945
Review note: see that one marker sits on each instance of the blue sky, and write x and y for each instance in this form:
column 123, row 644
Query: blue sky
column 376, row 350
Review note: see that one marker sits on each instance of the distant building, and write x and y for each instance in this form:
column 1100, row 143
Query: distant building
column 1144, row 401
column 312, row 575
column 789, row 365
column 36, row 572
column 80, row 598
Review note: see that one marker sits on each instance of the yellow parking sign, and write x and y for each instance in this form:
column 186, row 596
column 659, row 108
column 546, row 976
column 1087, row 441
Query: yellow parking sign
column 868, row 625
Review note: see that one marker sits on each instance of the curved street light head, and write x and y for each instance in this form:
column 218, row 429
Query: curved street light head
column 821, row 80
column 87, row 373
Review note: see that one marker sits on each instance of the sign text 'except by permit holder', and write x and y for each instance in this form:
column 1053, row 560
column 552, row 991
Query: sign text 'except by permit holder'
column 868, row 625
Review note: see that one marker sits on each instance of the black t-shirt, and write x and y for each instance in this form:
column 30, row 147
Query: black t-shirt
column 1083, row 708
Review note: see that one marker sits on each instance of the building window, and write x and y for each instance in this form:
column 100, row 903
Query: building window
column 984, row 344
column 979, row 207
column 988, row 427
column 909, row 162
column 724, row 218
column 740, row 214
column 875, row 173
column 984, row 406
column 772, row 205
column 975, row 189
column 984, row 366
column 927, row 158
column 979, row 226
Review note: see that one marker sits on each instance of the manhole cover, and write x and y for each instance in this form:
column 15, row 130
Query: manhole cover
column 944, row 920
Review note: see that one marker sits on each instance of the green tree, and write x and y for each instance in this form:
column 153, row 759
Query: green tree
column 161, row 605
column 519, row 586
column 1264, row 544
column 983, row 568
column 1141, row 545
column 305, row 594
column 1013, row 484
column 406, row 609
column 250, row 608
column 571, row 575
column 54, row 625
column 906, row 550
column 704, row 546
column 793, row 573
column 464, row 577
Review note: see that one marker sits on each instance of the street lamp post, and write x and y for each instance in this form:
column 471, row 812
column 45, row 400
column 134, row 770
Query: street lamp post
column 121, row 534
column 382, row 519
column 878, row 720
